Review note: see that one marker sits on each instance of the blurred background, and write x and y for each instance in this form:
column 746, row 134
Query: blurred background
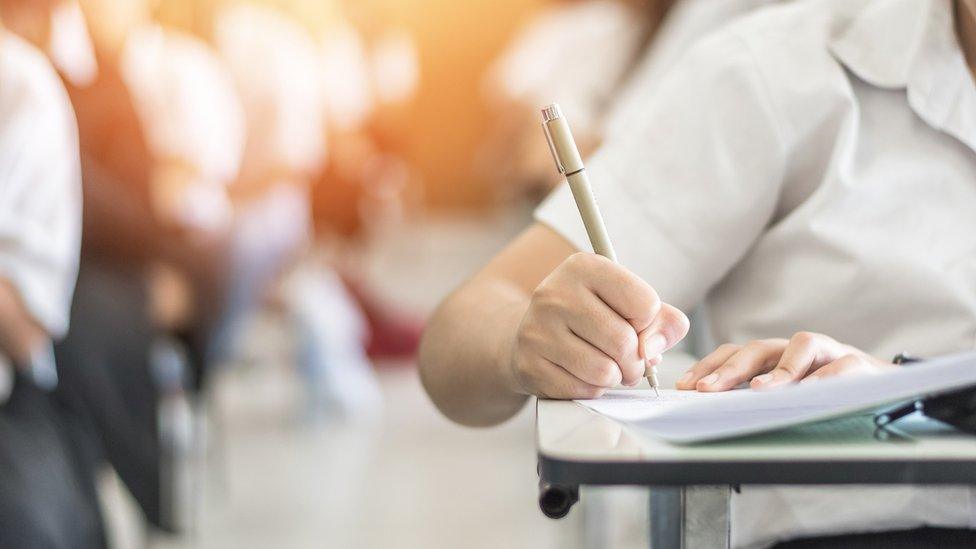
column 276, row 194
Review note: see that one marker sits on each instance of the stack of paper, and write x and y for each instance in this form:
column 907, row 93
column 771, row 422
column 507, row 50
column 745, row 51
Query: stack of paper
column 687, row 417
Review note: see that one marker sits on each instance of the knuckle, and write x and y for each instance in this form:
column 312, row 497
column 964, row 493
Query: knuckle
column 652, row 301
column 755, row 345
column 623, row 342
column 581, row 261
column 803, row 338
column 728, row 347
column 606, row 373
column 632, row 371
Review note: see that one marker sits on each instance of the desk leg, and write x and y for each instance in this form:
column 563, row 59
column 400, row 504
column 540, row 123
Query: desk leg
column 665, row 514
column 705, row 516
column 689, row 518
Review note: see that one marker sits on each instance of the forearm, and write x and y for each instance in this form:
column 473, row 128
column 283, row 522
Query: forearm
column 20, row 334
column 465, row 356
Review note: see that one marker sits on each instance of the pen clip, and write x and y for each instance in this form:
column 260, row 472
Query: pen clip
column 552, row 149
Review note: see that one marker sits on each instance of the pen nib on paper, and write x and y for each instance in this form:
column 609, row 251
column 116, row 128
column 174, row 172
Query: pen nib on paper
column 657, row 393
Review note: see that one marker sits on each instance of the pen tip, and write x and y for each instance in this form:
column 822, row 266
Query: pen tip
column 656, row 392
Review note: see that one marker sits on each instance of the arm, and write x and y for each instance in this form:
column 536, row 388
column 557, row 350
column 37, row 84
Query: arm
column 542, row 320
column 20, row 334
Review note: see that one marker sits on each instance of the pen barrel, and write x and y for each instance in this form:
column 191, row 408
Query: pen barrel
column 579, row 183
column 563, row 145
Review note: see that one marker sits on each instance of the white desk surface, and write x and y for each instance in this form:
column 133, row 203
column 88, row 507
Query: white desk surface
column 567, row 431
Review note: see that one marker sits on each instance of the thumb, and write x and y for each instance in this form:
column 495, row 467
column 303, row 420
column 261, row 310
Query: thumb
column 668, row 328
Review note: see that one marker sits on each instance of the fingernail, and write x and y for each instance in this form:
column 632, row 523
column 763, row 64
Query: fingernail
column 654, row 345
column 686, row 378
column 765, row 378
column 709, row 379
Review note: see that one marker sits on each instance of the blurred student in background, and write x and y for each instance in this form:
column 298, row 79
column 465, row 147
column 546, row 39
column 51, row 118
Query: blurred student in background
column 160, row 139
column 370, row 72
column 278, row 72
column 45, row 499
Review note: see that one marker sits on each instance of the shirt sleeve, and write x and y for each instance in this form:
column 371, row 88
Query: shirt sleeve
column 40, row 186
column 693, row 179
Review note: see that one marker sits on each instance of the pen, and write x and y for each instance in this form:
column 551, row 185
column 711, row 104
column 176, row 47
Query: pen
column 570, row 164
column 894, row 415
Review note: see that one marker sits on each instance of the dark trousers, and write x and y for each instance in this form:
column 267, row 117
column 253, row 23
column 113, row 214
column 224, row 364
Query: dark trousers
column 47, row 497
column 106, row 384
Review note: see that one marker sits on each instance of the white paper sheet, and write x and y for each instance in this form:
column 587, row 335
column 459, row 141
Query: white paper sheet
column 636, row 404
column 696, row 419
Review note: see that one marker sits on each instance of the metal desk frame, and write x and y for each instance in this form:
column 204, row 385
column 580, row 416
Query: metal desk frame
column 577, row 447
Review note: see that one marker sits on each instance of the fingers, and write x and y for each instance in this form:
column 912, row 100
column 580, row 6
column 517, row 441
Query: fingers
column 601, row 327
column 852, row 364
column 754, row 358
column 805, row 353
column 668, row 328
column 585, row 362
column 706, row 366
column 623, row 291
column 549, row 380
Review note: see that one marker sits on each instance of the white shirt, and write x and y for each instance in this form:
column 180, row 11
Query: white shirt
column 40, row 184
column 686, row 22
column 190, row 111
column 277, row 71
column 40, row 190
column 809, row 167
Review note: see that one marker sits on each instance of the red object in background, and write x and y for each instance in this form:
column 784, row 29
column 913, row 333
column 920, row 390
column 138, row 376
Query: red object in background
column 394, row 335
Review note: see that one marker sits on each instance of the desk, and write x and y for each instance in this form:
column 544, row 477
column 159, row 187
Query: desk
column 691, row 484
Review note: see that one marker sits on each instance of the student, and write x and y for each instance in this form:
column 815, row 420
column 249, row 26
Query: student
column 276, row 65
column 807, row 170
column 45, row 501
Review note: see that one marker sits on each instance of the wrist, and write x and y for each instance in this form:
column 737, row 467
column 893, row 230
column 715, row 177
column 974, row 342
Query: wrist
column 506, row 360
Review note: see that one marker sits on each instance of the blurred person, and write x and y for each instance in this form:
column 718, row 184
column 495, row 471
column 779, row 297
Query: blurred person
column 366, row 187
column 783, row 149
column 578, row 52
column 45, row 499
column 154, row 131
column 277, row 68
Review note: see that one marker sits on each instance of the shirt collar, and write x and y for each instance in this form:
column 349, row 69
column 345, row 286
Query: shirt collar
column 911, row 44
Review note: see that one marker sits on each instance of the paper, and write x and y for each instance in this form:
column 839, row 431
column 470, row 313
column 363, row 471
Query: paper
column 631, row 405
column 744, row 412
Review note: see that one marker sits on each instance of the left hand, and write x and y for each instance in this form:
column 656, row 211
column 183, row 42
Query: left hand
column 769, row 363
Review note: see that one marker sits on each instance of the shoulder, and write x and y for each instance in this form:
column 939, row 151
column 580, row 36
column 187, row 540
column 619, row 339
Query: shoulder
column 787, row 48
column 794, row 38
column 30, row 89
column 35, row 111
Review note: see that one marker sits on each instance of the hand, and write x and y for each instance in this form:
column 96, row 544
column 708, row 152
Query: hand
column 769, row 363
column 591, row 325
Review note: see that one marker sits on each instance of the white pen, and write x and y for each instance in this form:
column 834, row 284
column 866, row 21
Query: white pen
column 570, row 164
